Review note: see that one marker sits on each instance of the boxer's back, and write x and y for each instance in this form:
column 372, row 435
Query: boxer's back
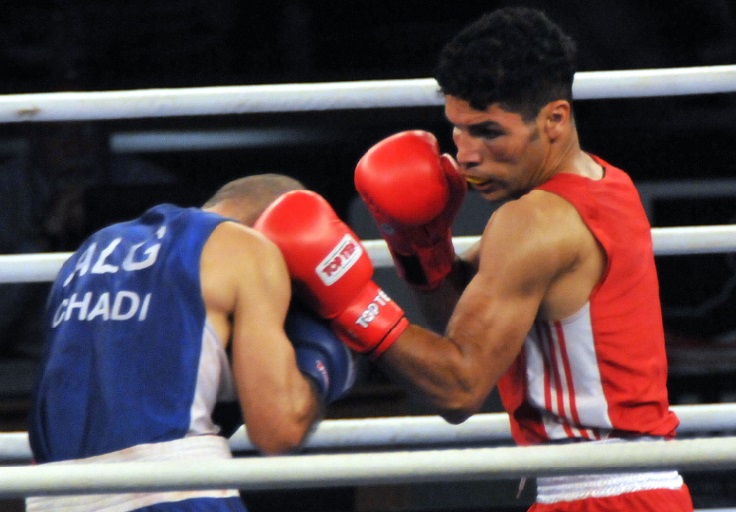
column 126, row 324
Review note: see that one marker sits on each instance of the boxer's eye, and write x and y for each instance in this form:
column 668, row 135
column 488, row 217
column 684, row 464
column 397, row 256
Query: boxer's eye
column 485, row 132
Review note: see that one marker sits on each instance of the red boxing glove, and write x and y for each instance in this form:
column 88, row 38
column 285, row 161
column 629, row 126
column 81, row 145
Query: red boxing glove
column 413, row 194
column 331, row 271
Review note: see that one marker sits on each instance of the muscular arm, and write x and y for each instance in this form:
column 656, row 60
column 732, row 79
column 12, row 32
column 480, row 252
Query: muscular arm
column 245, row 279
column 525, row 249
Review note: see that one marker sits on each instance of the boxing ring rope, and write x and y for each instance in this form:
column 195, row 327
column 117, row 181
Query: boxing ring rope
column 250, row 99
column 485, row 428
column 419, row 431
column 395, row 467
column 43, row 267
column 361, row 469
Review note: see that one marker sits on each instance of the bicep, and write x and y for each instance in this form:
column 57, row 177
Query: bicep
column 495, row 316
column 498, row 307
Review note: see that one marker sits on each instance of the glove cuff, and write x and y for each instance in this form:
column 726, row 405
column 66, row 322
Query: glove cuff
column 426, row 267
column 372, row 323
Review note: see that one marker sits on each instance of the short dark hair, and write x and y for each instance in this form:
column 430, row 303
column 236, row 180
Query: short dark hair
column 515, row 56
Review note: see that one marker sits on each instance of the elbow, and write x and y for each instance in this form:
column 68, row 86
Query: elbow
column 455, row 417
column 464, row 402
column 278, row 447
column 281, row 440
column 285, row 432
column 460, row 412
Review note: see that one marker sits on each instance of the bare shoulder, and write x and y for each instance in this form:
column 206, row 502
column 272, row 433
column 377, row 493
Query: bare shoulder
column 537, row 232
column 235, row 243
column 236, row 256
column 537, row 213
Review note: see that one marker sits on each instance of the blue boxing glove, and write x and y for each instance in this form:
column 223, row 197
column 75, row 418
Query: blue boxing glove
column 320, row 354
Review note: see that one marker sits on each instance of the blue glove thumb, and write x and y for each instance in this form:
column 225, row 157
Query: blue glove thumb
column 320, row 354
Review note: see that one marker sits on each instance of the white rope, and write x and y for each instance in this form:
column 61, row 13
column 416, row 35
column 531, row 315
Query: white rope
column 229, row 100
column 417, row 431
column 28, row 268
column 14, row 446
column 694, row 240
column 359, row 469
column 395, row 433
column 643, row 83
column 671, row 241
column 31, row 268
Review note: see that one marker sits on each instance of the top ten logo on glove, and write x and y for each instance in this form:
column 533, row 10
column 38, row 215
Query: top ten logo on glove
column 345, row 254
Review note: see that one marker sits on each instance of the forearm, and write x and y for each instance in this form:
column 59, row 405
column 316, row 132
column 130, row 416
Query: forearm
column 438, row 370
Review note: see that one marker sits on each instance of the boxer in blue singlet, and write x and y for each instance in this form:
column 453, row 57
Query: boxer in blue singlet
column 139, row 324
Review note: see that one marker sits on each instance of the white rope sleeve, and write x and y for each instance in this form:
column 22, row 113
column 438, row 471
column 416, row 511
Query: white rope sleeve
column 694, row 240
column 14, row 446
column 395, row 432
column 31, row 268
column 481, row 428
column 415, row 431
column 359, row 469
column 27, row 268
column 229, row 100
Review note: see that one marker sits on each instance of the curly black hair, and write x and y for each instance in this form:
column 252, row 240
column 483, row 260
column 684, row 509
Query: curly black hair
column 516, row 57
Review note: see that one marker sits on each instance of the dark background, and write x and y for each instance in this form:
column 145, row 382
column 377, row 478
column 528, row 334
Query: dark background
column 48, row 46
column 79, row 45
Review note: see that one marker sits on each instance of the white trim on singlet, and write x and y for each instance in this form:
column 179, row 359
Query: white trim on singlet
column 214, row 383
column 578, row 487
column 198, row 447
